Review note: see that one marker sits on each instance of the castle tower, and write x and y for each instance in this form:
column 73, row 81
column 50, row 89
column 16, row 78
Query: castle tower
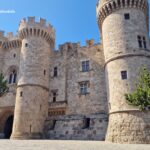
column 124, row 30
column 31, row 106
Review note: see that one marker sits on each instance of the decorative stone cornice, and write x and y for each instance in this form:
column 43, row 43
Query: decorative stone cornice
column 37, row 85
column 6, row 45
column 38, row 33
column 37, row 29
column 109, row 6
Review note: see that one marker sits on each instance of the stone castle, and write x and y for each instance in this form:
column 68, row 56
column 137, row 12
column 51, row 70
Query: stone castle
column 77, row 93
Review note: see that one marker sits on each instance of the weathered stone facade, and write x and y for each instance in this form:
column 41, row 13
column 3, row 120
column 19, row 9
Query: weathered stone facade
column 72, row 114
column 68, row 93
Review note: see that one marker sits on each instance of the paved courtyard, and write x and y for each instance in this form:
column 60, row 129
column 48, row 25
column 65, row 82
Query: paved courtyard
column 66, row 145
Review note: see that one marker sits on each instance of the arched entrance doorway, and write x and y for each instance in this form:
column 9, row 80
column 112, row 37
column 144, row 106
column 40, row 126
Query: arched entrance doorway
column 8, row 127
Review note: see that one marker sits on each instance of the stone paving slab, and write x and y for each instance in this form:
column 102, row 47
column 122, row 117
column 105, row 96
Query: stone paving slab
column 66, row 145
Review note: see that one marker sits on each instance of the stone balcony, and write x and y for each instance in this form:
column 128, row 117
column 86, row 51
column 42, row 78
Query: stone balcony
column 57, row 108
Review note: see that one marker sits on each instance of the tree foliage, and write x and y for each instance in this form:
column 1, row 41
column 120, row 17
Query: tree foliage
column 141, row 96
column 3, row 85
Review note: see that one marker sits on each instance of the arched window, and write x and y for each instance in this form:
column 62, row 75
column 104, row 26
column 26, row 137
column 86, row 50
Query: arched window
column 12, row 77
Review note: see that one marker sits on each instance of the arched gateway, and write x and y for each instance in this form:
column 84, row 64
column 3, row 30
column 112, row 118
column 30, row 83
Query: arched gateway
column 8, row 127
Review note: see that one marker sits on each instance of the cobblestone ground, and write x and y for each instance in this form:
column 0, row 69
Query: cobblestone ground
column 66, row 145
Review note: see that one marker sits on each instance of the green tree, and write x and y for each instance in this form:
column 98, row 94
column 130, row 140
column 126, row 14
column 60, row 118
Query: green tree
column 3, row 85
column 141, row 96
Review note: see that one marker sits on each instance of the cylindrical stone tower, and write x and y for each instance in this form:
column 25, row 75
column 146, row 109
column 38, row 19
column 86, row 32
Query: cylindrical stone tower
column 31, row 106
column 124, row 32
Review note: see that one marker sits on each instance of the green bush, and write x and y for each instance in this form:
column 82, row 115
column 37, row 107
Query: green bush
column 141, row 96
column 3, row 85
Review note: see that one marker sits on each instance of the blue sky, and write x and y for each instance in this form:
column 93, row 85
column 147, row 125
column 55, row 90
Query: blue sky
column 73, row 20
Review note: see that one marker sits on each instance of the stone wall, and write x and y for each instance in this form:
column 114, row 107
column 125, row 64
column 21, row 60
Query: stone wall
column 68, row 60
column 9, row 61
column 29, row 119
column 76, row 127
column 129, row 127
column 76, row 108
column 117, row 88
column 95, row 100
column 120, row 35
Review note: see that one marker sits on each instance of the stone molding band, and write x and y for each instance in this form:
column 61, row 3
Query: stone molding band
column 122, row 56
column 127, row 111
column 25, row 32
column 22, row 85
column 114, row 5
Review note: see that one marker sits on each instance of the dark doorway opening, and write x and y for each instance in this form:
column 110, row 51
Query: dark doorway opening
column 8, row 127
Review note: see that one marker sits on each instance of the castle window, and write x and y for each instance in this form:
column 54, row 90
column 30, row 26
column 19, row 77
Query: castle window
column 30, row 128
column 119, row 3
column 142, row 42
column 139, row 41
column 55, row 71
column 44, row 72
column 84, row 87
column 13, row 77
column 86, row 123
column 124, row 75
column 26, row 44
column 85, row 66
column 10, row 78
column 127, row 16
column 54, row 95
column 21, row 93
column 14, row 55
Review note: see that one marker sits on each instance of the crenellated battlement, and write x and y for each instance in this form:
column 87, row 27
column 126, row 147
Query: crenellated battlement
column 1, row 34
column 41, row 29
column 10, row 41
column 31, row 22
column 10, row 36
column 69, row 45
column 106, row 7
